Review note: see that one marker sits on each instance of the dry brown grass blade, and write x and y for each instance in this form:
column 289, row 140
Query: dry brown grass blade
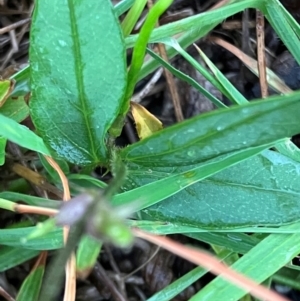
column 41, row 260
column 70, row 282
column 277, row 83
column 169, row 77
column 261, row 57
column 14, row 26
column 212, row 264
column 34, row 178
column 219, row 4
column 22, row 209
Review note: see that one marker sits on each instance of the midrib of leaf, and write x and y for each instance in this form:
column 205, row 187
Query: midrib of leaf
column 248, row 186
column 79, row 76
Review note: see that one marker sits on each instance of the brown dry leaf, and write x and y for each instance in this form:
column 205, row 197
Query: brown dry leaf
column 146, row 123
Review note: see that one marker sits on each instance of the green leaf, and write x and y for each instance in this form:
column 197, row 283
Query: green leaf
column 13, row 256
column 139, row 50
column 86, row 255
column 147, row 195
column 123, row 6
column 22, row 86
column 2, row 150
column 172, row 290
column 200, row 22
column 17, row 238
column 132, row 16
column 6, row 86
column 259, row 263
column 219, row 132
column 281, row 25
column 187, row 79
column 21, row 135
column 29, row 199
column 86, row 181
column 30, row 288
column 78, row 76
column 262, row 190
column 15, row 108
column 236, row 242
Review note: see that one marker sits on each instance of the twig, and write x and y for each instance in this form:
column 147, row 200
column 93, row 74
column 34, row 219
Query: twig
column 169, row 78
column 144, row 264
column 120, row 280
column 19, row 208
column 148, row 87
column 37, row 180
column 99, row 277
column 261, row 58
column 14, row 25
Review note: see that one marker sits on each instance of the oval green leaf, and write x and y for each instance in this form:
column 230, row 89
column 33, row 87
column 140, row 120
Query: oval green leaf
column 219, row 132
column 78, row 76
column 262, row 190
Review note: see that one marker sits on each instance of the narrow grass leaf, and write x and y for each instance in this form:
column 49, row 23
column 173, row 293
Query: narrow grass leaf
column 17, row 238
column 139, row 49
column 178, row 285
column 80, row 181
column 31, row 286
column 259, row 263
column 22, row 136
column 2, row 150
column 121, row 7
column 132, row 16
column 236, row 242
column 187, row 79
column 234, row 94
column 13, row 256
column 198, row 22
column 29, row 199
column 282, row 27
column 86, row 256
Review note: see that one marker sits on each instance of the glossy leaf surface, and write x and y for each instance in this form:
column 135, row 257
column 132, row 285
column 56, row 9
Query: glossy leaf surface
column 21, row 135
column 86, row 255
column 219, row 132
column 262, row 190
column 11, row 256
column 50, row 241
column 173, row 180
column 31, row 286
column 78, row 76
column 2, row 150
column 6, row 86
column 15, row 108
